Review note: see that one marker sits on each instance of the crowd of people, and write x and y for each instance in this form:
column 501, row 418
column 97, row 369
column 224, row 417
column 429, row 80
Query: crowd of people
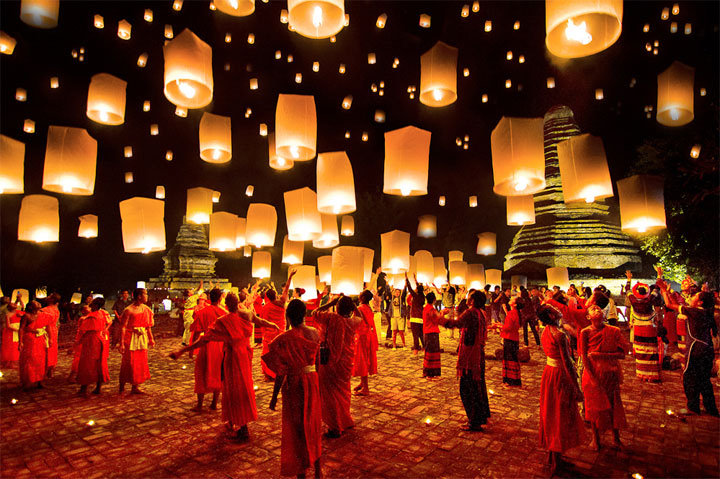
column 311, row 350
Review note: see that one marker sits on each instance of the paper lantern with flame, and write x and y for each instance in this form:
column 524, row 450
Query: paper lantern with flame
column 325, row 268
column 347, row 270
column 296, row 127
column 40, row 13
column 347, row 226
column 39, row 219
column 407, row 153
column 106, row 99
column 335, row 183
column 487, row 243
column 223, row 231
column 303, row 219
column 518, row 156
column 458, row 272
column 236, row 8
column 329, row 237
column 440, row 273
column 493, row 277
column 240, row 233
column 427, row 226
column 277, row 162
column 675, row 103
column 395, row 252
column 70, row 160
column 7, row 43
column 475, row 276
column 369, row 256
column 88, row 226
column 558, row 276
column 316, row 18
column 293, row 252
column 438, row 75
column 143, row 224
column 160, row 192
column 199, row 205
column 215, row 138
column 424, row 266
column 642, row 203
column 455, row 255
column 581, row 27
column 261, row 264
column 261, row 225
column 188, row 71
column 305, row 278
column 583, row 169
column 12, row 166
column 520, row 210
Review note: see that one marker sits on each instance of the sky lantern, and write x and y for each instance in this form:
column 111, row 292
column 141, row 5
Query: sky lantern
column 642, row 203
column 407, row 154
column 583, row 169
column 7, row 43
column 487, row 243
column 160, row 192
column 29, row 126
column 316, row 18
column 250, row 190
column 40, row 13
column 581, row 27
column 475, row 276
column 240, row 233
column 427, row 226
column 347, row 225
column 440, row 273
column 129, row 177
column 438, row 75
column 455, row 255
column 216, row 197
column 261, row 263
column 39, row 219
column 368, row 257
column 335, row 183
column 199, row 205
column 473, row 201
column 124, row 31
column 188, row 71
column 88, row 226
column 302, row 216
column 261, row 225
column 325, row 268
column 347, row 270
column 223, row 231
column 675, row 95
column 329, row 237
column 70, row 159
column 458, row 272
column 296, row 127
column 143, row 224
column 236, row 8
column 305, row 278
column 12, row 166
column 558, row 277
column 277, row 162
column 106, row 99
column 293, row 252
column 215, row 138
column 520, row 210
column 493, row 277
column 441, row 201
column 395, row 252
column 518, row 156
column 424, row 266
column 247, row 251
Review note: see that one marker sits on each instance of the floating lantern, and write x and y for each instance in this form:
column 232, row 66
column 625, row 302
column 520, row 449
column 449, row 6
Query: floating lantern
column 216, row 197
column 583, row 169
column 143, row 225
column 54, row 82
column 261, row 262
column 142, row 60
column 253, row 83
column 508, row 83
column 329, row 237
column 169, row 34
column 277, row 162
column 407, row 153
column 695, row 151
column 484, row 98
column 247, row 251
column 476, row 6
column 379, row 116
column 236, row 8
column 106, row 99
column 455, row 255
column 458, row 272
column 12, row 166
column 675, row 95
column 261, row 225
column 88, row 226
column 223, row 231
column 302, row 216
column 518, row 157
column 249, row 190
column 40, row 13
column 128, row 152
column 341, row 68
column 465, row 11
column 296, row 127
column 550, row 82
column 169, row 155
column 124, row 30
column 558, row 276
column 665, row 14
column 395, row 252
column 424, row 266
column 438, row 75
column 325, row 268
column 675, row 9
column 440, row 273
column 364, row 136
column 199, row 205
column 215, row 138
column 188, row 71
column 146, row 106
column 642, row 203
column 599, row 95
column 688, row 28
column 20, row 94
column 298, row 78
column 425, row 20
column 7, row 43
column 70, row 159
column 472, row 201
column 263, row 129
column 441, row 201
column 372, row 59
column 181, row 111
column 316, row 18
column 160, row 192
column 177, row 5
column 516, row 25
column 427, row 226
column 347, row 270
column 154, row 129
column 582, row 27
column 368, row 257
column 673, row 27
column 39, row 219
column 335, row 183
column 347, row 102
column 293, row 251
column 487, row 244
column 148, row 15
column 29, row 126
column 305, row 278
column 240, row 233
column 493, row 277
column 251, row 38
column 381, row 20
column 347, row 225
column 488, row 26
column 129, row 177
column 520, row 210
column 475, row 276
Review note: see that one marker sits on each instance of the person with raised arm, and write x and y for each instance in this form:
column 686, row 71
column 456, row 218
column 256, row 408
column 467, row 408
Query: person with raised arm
column 274, row 312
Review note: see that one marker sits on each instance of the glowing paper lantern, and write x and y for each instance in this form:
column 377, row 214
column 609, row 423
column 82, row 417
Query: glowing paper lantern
column 520, row 210
column 20, row 94
column 296, row 127
column 160, row 192
column 558, row 277
column 368, row 257
column 487, row 243
column 143, row 224
column 293, row 252
column 106, row 99
column 583, row 169
column 395, row 251
column 249, row 190
column 347, row 226
column 124, row 30
column 458, row 272
column 438, row 75
column 40, row 13
column 305, row 278
column 12, row 166
column 381, row 20
column 7, row 43
column 215, row 138
column 325, row 268
column 472, row 201
column 329, row 237
column 236, row 8
column 216, row 197
column 199, row 205
column 70, row 159
column 261, row 263
column 475, row 276
column 407, row 153
column 424, row 266
column 493, row 277
column 88, row 226
column 247, row 251
column 581, row 27
column 303, row 219
column 188, row 71
column 277, row 162
column 129, row 177
column 316, row 18
column 675, row 95
column 24, row 293
column 642, row 203
column 347, row 270
column 425, row 20
column 335, row 183
column 427, row 226
column 695, row 151
column 455, row 255
column 441, row 201
column 223, row 231
column 54, row 82
column 39, row 219
column 518, row 157
column 440, row 273
column 240, row 233
column 29, row 126
column 261, row 225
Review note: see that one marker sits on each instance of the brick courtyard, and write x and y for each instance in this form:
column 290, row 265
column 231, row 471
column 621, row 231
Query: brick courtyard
column 45, row 433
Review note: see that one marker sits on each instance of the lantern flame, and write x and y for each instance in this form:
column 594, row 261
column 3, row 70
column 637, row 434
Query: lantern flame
column 216, row 154
column 294, row 151
column 186, row 89
column 437, row 94
column 234, row 4
column 521, row 184
column 577, row 33
column 674, row 114
column 317, row 17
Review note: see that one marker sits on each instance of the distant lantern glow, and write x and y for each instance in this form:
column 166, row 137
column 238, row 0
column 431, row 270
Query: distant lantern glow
column 371, row 59
column 472, row 201
column 40, row 13
column 20, row 94
column 329, row 237
column 673, row 27
column 263, row 130
column 407, row 153
column 487, row 244
column 325, row 268
column 148, row 16
column 188, row 71
column 488, row 26
column 341, row 69
column 7, row 43
column 181, row 111
column 160, row 192
column 177, row 5
column 12, row 166
column 298, row 78
column 335, row 183
column 146, row 106
column 508, row 83
column 29, row 126
column 583, row 169
column 261, row 225
column 215, row 138
column 169, row 155
column 347, row 270
column 54, row 82
column 424, row 266
column 296, row 127
column 583, row 27
column 216, row 197
column 520, row 210
column 70, row 161
column 476, row 6
column 695, row 151
column 169, row 34
column 550, row 82
column 675, row 100
column 124, row 30
column 427, row 226
column 128, row 152
column 39, row 219
column 558, row 276
column 316, row 67
column 199, row 205
column 249, row 190
column 599, row 94
column 88, row 226
column 142, row 60
column 347, row 102
column 154, row 129
column 293, row 252
column 518, row 156
column 516, row 25
column 395, row 251
column 316, row 18
column 509, row 55
column 441, row 201
column 665, row 14
column 106, row 99
column 642, row 203
column 381, row 20
column 223, row 231
column 493, row 277
column 379, row 116
column 143, row 225
column 347, row 225
column 675, row 9
column 688, row 28
column 302, row 216
column 438, row 75
column 465, row 11
column 458, row 272
column 247, row 251
column 236, row 8
column 425, row 20
column 261, row 264
column 484, row 98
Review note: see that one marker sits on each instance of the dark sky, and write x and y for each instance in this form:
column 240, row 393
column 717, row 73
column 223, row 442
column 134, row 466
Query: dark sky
column 101, row 265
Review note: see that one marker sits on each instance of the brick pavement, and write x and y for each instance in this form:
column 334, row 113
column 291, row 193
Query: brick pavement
column 45, row 434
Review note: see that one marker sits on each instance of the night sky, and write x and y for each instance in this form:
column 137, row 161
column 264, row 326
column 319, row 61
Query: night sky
column 102, row 266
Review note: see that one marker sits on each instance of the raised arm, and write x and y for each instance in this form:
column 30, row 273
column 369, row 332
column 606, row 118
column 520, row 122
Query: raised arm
column 286, row 288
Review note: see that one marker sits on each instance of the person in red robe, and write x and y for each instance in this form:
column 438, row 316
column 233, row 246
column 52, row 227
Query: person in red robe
column 366, row 346
column 208, row 361
column 77, row 345
column 136, row 332
column 291, row 357
column 94, row 345
column 561, row 427
column 10, row 352
column 510, row 335
column 339, row 334
column 53, row 327
column 34, row 344
column 238, row 395
column 274, row 312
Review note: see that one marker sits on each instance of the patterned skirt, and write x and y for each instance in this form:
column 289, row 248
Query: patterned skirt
column 645, row 348
column 431, row 364
column 511, row 364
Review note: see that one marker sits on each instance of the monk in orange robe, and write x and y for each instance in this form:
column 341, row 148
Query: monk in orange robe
column 136, row 333
column 274, row 311
column 10, row 353
column 34, row 344
column 94, row 345
column 52, row 328
column 365, row 362
column 208, row 362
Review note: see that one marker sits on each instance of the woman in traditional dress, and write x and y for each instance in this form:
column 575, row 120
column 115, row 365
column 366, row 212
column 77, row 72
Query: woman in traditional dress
column 431, row 320
column 365, row 362
column 34, row 343
column 94, row 345
column 643, row 319
column 10, row 352
column 136, row 333
column 511, row 344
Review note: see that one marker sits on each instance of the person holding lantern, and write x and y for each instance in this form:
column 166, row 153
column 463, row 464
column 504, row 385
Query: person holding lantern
column 208, row 361
column 274, row 312
column 366, row 346
column 136, row 333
